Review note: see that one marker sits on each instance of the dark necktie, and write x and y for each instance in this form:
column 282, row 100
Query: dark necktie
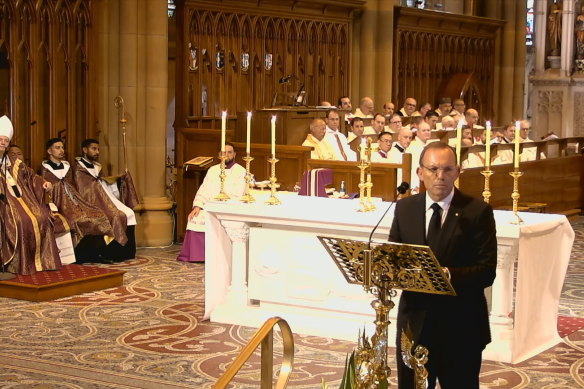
column 434, row 227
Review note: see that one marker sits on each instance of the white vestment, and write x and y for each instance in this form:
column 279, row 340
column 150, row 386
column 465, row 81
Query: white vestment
column 234, row 187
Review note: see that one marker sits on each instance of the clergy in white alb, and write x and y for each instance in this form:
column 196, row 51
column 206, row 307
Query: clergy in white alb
column 193, row 248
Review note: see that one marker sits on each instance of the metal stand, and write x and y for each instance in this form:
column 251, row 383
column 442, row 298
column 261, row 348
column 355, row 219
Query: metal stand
column 381, row 270
column 222, row 196
column 247, row 197
column 515, row 195
column 487, row 187
column 273, row 200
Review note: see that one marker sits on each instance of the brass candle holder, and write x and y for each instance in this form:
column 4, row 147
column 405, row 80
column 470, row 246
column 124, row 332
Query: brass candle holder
column 515, row 195
column 222, row 196
column 363, row 207
column 273, row 200
column 247, row 197
column 368, row 187
column 487, row 187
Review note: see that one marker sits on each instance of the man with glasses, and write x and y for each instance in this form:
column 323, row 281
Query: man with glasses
column 461, row 232
column 409, row 107
column 382, row 155
column 395, row 123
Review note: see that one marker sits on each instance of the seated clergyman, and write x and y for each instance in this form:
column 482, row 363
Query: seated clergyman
column 193, row 248
column 29, row 243
column 91, row 229
column 315, row 139
column 89, row 181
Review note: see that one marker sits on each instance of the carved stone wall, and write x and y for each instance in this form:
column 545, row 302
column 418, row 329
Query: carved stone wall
column 46, row 58
column 579, row 113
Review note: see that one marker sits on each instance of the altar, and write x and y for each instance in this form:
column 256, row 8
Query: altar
column 264, row 261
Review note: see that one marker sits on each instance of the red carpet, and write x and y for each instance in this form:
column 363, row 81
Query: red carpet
column 66, row 273
column 569, row 325
column 70, row 280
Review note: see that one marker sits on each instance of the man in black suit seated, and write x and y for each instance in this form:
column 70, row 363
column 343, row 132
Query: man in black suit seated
column 461, row 232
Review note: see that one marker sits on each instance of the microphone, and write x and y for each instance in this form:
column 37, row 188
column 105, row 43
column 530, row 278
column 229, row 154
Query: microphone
column 284, row 80
column 401, row 189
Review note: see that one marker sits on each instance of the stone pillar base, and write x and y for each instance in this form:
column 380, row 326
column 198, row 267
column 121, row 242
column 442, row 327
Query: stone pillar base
column 155, row 223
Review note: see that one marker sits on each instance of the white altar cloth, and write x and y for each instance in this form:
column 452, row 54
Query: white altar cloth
column 265, row 260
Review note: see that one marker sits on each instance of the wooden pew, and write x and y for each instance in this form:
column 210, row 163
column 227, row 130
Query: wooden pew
column 556, row 181
column 383, row 175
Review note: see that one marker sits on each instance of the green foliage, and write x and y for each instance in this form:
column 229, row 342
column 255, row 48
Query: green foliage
column 349, row 381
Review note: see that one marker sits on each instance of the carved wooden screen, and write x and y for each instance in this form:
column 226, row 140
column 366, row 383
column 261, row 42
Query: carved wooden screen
column 431, row 48
column 44, row 72
column 231, row 56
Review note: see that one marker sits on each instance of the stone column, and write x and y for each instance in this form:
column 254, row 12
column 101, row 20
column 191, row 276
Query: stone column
column 567, row 37
column 540, row 35
column 134, row 46
column 238, row 232
column 384, row 58
column 368, row 53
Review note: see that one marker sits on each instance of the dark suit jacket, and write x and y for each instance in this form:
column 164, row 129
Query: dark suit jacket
column 468, row 247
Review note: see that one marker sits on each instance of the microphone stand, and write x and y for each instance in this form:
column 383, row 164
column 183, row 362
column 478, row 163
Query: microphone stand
column 368, row 253
column 3, row 198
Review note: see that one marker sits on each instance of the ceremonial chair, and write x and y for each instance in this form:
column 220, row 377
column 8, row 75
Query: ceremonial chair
column 314, row 182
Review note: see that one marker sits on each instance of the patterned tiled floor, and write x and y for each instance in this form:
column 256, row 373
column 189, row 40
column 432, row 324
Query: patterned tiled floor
column 148, row 334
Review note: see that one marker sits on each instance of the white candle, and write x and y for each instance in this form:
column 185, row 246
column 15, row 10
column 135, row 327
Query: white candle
column 274, row 136
column 247, row 139
column 516, row 154
column 458, row 141
column 223, row 125
column 488, row 146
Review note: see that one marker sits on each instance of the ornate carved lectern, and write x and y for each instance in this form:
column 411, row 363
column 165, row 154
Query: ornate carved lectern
column 382, row 268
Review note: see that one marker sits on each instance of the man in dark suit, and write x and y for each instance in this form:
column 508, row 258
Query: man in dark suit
column 461, row 232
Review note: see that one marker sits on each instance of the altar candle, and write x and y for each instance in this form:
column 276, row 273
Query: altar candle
column 274, row 136
column 223, row 125
column 488, row 146
column 247, row 139
column 458, row 141
column 516, row 154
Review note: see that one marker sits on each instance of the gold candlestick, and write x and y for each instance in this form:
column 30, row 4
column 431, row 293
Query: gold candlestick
column 515, row 195
column 273, row 200
column 363, row 165
column 222, row 196
column 368, row 187
column 247, row 197
column 487, row 188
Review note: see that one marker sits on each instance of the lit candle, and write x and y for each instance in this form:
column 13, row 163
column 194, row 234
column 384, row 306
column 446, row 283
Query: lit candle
column 458, row 141
column 516, row 154
column 223, row 125
column 488, row 146
column 247, row 144
column 274, row 136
